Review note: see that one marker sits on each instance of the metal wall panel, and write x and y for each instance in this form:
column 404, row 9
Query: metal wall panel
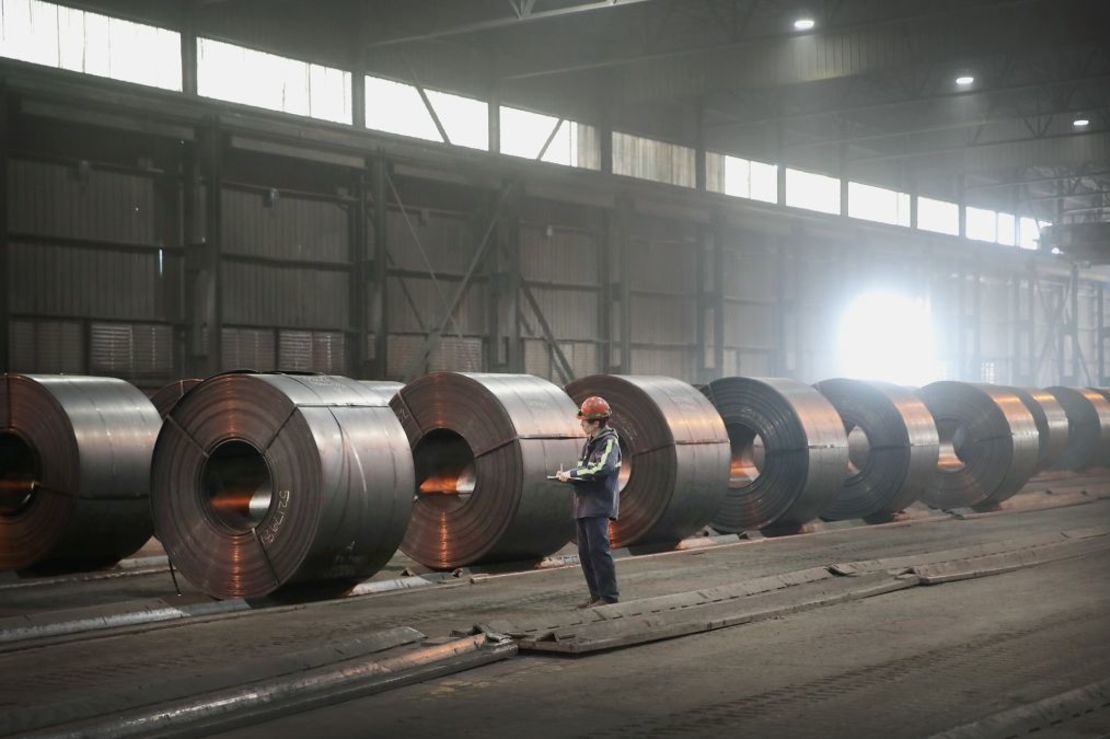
column 289, row 228
column 665, row 267
column 565, row 256
column 648, row 159
column 80, row 202
column 97, row 283
column 248, row 348
column 572, row 314
column 448, row 242
column 131, row 351
column 669, row 362
column 265, row 295
column 312, row 351
column 40, row 345
column 663, row 320
column 470, row 315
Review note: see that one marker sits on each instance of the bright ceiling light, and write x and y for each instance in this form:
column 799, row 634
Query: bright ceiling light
column 964, row 80
column 804, row 24
column 1081, row 123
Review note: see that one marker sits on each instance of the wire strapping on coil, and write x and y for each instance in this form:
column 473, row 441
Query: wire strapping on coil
column 776, row 478
column 281, row 484
column 483, row 446
column 675, row 455
column 989, row 444
column 898, row 448
column 75, row 457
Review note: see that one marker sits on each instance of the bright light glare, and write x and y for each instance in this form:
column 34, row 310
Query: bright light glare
column 888, row 336
column 1081, row 123
column 804, row 24
column 964, row 80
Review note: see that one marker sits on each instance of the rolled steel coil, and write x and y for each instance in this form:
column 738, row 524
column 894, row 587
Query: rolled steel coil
column 1052, row 424
column 483, row 446
column 800, row 465
column 276, row 485
column 896, row 453
column 675, row 455
column 1088, row 412
column 168, row 395
column 989, row 444
column 74, row 471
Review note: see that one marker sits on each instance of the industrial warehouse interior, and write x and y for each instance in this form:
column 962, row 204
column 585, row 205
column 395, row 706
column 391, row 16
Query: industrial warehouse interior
column 555, row 368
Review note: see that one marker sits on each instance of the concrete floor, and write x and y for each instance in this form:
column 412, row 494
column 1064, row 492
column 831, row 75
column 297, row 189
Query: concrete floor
column 903, row 664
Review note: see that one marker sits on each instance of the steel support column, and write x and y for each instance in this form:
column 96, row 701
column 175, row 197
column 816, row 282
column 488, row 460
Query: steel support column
column 5, row 278
column 1101, row 336
column 624, row 287
column 358, row 339
column 213, row 237
column 503, row 346
column 379, row 306
column 188, row 49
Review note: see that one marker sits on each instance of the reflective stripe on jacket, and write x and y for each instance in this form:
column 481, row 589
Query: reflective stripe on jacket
column 596, row 478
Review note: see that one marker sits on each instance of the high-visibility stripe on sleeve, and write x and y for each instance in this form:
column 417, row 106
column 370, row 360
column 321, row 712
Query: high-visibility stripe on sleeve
column 600, row 464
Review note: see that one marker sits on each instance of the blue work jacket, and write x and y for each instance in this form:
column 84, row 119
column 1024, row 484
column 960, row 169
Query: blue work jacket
column 596, row 479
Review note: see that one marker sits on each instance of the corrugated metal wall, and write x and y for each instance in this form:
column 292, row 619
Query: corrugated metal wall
column 95, row 289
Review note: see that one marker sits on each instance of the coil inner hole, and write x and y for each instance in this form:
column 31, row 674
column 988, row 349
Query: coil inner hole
column 19, row 474
column 445, row 473
column 953, row 445
column 238, row 488
column 748, row 455
column 859, row 450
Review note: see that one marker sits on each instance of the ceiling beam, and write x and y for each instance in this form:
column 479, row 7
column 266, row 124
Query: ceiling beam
column 503, row 22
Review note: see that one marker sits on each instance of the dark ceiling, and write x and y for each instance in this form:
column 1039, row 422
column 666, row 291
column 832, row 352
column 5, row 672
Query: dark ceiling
column 869, row 92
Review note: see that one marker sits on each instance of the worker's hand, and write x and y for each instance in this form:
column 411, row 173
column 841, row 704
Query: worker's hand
column 562, row 476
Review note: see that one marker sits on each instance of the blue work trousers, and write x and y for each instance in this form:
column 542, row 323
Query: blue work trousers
column 596, row 559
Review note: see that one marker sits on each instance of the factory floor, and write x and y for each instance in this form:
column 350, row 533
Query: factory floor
column 908, row 663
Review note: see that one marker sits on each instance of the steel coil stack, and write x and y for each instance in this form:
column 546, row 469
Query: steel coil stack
column 274, row 485
column 74, row 471
column 892, row 446
column 989, row 444
column 789, row 452
column 483, row 447
column 675, row 456
column 168, row 395
column 1088, row 413
column 1051, row 421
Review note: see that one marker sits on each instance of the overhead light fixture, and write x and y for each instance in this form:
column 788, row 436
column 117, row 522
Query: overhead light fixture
column 804, row 24
column 1081, row 122
column 964, row 80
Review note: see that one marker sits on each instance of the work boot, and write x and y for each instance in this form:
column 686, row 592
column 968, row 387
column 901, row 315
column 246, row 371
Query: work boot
column 593, row 601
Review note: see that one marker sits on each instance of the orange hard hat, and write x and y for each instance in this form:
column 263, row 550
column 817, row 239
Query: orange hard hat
column 593, row 408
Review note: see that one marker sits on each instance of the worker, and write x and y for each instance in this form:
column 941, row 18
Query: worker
column 596, row 499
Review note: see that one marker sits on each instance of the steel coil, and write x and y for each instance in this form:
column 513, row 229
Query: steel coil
column 1088, row 413
column 1052, row 424
column 892, row 448
column 274, row 484
column 789, row 452
column 483, row 447
column 989, row 444
column 675, row 456
column 74, row 471
column 168, row 395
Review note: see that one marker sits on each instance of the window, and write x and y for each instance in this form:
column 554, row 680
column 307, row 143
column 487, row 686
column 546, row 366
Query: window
column 812, row 191
column 878, row 204
column 982, row 224
column 648, row 159
column 67, row 38
column 938, row 215
column 395, row 107
column 241, row 75
column 744, row 179
column 1007, row 229
column 523, row 134
column 1029, row 232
